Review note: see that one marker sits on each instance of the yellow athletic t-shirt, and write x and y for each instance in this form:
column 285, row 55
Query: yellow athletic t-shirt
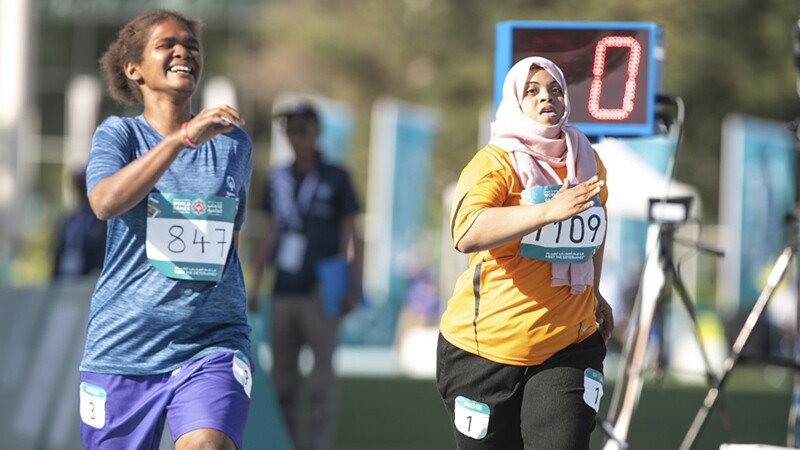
column 503, row 307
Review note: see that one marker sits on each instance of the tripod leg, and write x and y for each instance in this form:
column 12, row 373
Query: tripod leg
column 773, row 280
column 793, row 434
column 689, row 305
column 683, row 293
column 629, row 387
column 608, row 429
column 660, row 318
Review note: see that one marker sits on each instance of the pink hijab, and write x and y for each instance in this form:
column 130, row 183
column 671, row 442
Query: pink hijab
column 535, row 149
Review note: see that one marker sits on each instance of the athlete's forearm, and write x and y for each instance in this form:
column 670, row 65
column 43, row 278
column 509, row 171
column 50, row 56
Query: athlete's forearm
column 499, row 225
column 121, row 191
column 496, row 226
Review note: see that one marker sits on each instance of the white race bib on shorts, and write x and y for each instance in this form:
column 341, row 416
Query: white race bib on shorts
column 242, row 372
column 471, row 417
column 93, row 405
column 592, row 388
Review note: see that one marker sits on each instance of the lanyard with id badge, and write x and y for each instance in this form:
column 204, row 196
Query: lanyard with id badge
column 571, row 241
column 292, row 245
column 189, row 236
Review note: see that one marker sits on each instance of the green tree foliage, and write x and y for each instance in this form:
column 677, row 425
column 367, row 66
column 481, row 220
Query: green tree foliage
column 721, row 57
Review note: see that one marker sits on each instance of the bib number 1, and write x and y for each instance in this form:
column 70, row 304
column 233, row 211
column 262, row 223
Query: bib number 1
column 592, row 388
column 471, row 417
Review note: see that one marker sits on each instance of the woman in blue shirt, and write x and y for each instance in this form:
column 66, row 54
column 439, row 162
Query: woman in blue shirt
column 167, row 335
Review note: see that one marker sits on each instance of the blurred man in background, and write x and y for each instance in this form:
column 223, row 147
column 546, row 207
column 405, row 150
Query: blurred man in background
column 311, row 206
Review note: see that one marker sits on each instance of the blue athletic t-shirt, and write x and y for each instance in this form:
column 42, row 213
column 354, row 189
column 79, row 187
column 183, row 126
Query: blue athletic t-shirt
column 140, row 321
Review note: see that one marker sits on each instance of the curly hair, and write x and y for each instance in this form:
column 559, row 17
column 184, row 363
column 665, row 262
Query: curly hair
column 129, row 47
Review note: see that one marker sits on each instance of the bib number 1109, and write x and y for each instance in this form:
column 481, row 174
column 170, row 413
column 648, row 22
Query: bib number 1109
column 570, row 241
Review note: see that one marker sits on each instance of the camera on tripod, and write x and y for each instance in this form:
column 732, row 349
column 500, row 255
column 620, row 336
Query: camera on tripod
column 669, row 210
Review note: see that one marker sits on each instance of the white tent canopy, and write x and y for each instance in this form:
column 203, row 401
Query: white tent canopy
column 632, row 182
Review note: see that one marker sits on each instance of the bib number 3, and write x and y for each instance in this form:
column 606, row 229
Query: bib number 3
column 242, row 372
column 93, row 405
column 471, row 417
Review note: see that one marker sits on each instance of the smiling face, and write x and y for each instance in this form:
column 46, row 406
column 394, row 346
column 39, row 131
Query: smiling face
column 543, row 98
column 171, row 62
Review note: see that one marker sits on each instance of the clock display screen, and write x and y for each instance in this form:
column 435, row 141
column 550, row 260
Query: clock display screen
column 612, row 72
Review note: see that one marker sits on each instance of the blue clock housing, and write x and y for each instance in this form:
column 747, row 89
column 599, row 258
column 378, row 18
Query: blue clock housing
column 613, row 69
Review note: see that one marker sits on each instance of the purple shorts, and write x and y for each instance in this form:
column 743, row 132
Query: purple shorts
column 122, row 411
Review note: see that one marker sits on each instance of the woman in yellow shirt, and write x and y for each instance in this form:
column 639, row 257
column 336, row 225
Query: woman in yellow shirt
column 522, row 342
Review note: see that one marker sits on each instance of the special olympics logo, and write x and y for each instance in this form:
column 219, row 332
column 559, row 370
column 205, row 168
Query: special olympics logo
column 199, row 206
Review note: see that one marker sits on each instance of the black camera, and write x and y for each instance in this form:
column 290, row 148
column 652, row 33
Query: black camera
column 669, row 210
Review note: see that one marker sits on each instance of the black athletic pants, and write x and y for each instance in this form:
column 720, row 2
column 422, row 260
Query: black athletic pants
column 543, row 407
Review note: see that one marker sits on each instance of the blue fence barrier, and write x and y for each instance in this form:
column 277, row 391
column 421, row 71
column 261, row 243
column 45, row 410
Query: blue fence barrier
column 42, row 334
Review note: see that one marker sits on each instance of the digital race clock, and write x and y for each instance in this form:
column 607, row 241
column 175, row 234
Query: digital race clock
column 613, row 69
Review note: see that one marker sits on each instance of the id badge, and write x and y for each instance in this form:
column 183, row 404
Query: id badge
column 291, row 252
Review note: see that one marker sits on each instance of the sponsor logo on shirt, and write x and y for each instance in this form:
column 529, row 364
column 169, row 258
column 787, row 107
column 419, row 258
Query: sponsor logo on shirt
column 231, row 186
column 198, row 206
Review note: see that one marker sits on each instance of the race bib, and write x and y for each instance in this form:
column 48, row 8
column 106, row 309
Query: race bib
column 189, row 236
column 471, row 417
column 573, row 240
column 93, row 405
column 242, row 373
column 592, row 388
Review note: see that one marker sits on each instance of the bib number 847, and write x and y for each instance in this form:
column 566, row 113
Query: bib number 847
column 178, row 243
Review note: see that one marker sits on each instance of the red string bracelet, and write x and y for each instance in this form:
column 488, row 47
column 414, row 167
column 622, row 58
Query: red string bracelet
column 186, row 139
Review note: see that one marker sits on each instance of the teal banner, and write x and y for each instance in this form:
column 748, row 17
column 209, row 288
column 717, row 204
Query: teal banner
column 757, row 191
column 403, row 137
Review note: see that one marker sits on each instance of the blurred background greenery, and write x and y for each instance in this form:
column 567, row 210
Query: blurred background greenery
column 721, row 57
